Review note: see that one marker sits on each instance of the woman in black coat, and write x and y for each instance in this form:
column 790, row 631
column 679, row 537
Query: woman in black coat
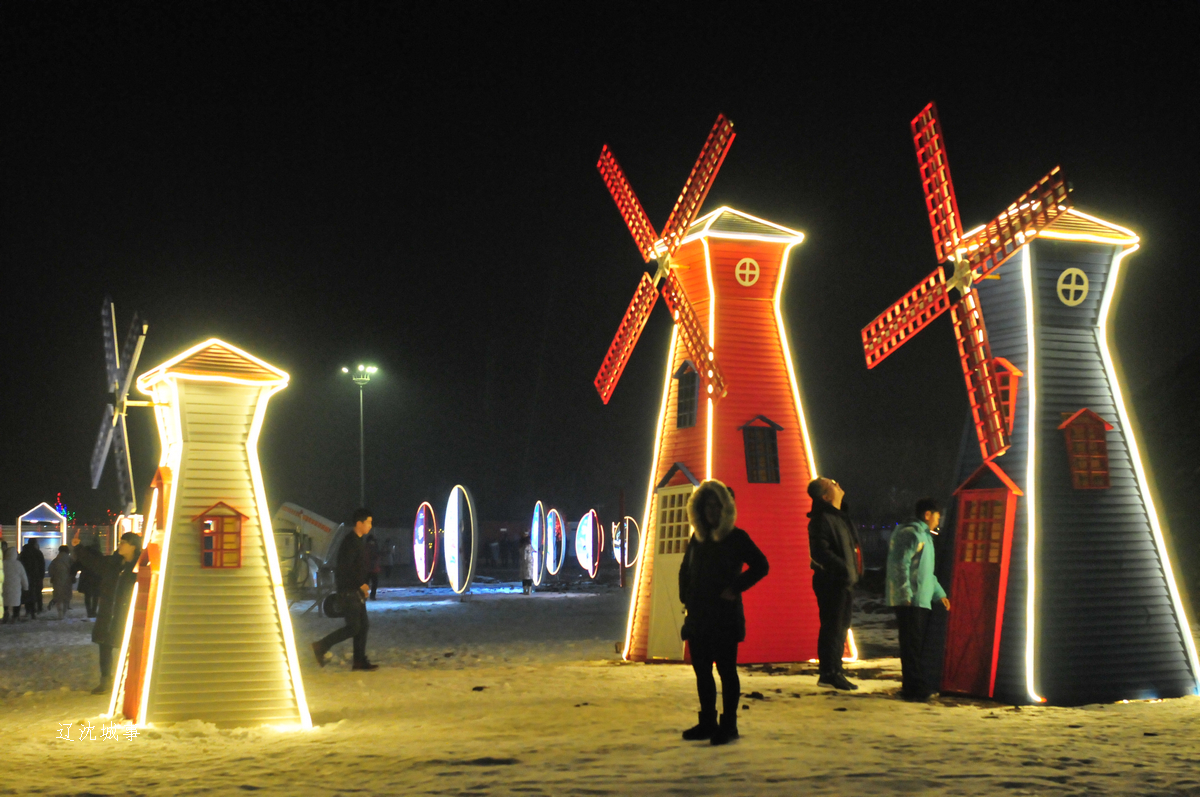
column 720, row 563
column 117, row 578
column 34, row 562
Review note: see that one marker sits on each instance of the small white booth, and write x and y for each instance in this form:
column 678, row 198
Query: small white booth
column 45, row 527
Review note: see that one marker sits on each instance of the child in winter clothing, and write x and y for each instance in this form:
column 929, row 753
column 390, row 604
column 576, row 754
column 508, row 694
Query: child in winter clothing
column 16, row 582
column 711, row 583
column 911, row 589
column 527, row 566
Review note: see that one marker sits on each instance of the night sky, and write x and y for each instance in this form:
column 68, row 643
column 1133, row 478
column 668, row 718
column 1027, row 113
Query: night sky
column 415, row 188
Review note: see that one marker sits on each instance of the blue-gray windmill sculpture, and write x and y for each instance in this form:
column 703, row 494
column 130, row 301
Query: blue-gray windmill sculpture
column 113, row 435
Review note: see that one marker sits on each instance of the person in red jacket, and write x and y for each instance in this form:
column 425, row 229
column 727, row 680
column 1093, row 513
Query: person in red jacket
column 711, row 583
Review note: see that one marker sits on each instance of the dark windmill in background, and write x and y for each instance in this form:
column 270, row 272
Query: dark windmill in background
column 113, row 436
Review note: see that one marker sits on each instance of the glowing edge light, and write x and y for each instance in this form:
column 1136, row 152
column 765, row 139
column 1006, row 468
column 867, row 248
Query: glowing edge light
column 562, row 549
column 1030, row 485
column 787, row 359
column 474, row 538
column 118, row 687
column 1138, row 466
column 537, row 539
column 662, row 414
column 425, row 544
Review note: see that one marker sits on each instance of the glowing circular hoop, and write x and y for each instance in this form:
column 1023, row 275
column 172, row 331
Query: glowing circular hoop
column 589, row 542
column 537, row 540
column 425, row 542
column 462, row 530
column 625, row 527
column 556, row 542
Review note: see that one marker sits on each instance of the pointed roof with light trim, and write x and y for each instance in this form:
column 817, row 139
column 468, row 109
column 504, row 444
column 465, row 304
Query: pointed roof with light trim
column 1075, row 225
column 725, row 222
column 215, row 360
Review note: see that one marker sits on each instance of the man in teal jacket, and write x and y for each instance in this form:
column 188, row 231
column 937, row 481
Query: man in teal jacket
column 911, row 589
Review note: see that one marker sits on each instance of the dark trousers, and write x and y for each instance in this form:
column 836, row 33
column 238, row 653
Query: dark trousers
column 373, row 583
column 106, row 663
column 912, row 622
column 835, row 604
column 722, row 653
column 356, row 626
column 91, row 602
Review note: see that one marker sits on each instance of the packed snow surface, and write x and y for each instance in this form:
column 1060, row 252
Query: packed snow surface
column 509, row 694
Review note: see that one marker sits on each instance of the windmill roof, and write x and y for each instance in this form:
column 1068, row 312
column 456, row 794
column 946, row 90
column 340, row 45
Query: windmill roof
column 1075, row 225
column 216, row 359
column 725, row 222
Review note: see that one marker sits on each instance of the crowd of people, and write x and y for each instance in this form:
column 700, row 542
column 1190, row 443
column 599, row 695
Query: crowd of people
column 24, row 574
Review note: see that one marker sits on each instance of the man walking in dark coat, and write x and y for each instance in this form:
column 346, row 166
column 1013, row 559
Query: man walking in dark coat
column 350, row 577
column 711, row 583
column 837, row 567
column 117, row 577
column 89, row 580
column 34, row 562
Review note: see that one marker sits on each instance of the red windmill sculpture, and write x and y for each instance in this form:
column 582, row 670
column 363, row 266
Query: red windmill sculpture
column 660, row 249
column 991, row 382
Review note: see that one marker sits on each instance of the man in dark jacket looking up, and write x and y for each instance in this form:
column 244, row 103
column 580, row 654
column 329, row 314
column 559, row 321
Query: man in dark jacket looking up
column 350, row 576
column 711, row 583
column 837, row 567
column 116, row 576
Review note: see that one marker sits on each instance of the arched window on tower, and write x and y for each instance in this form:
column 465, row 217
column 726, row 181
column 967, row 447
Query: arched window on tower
column 687, row 395
column 759, row 436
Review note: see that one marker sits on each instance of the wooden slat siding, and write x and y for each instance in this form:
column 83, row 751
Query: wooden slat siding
column 1100, row 577
column 220, row 654
column 677, row 445
column 781, row 616
column 1003, row 304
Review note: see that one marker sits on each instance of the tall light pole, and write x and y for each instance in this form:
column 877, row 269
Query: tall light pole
column 361, row 376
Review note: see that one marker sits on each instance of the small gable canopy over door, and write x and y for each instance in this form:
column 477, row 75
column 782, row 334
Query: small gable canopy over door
column 987, row 509
column 1086, row 435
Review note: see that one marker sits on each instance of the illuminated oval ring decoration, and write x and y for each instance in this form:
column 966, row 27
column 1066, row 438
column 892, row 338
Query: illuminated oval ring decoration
column 425, row 542
column 461, row 527
column 589, row 542
column 618, row 549
column 537, row 541
column 556, row 542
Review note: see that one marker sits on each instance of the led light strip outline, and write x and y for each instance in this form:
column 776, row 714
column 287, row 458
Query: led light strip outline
column 537, row 541
column 459, row 497
column 627, row 521
column 426, row 520
column 169, row 417
column 1139, row 467
column 556, row 541
column 590, row 542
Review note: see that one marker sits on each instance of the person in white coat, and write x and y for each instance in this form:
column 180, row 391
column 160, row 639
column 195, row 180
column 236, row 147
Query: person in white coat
column 527, row 566
column 15, row 583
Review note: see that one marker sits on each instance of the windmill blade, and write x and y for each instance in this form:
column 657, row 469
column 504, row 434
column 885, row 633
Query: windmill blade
column 940, row 202
column 123, row 466
column 909, row 315
column 626, row 338
column 694, row 339
column 131, row 354
column 983, row 388
column 695, row 190
column 108, row 326
column 1034, row 210
column 103, row 443
column 627, row 203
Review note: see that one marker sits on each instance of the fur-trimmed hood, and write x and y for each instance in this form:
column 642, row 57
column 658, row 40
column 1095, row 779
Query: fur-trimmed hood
column 700, row 527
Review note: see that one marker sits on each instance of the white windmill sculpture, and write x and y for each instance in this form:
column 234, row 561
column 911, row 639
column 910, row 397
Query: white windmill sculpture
column 113, row 435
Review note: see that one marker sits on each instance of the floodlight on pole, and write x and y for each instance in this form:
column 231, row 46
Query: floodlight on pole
column 361, row 376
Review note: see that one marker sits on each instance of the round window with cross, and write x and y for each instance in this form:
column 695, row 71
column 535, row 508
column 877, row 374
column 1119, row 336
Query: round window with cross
column 1072, row 287
column 746, row 271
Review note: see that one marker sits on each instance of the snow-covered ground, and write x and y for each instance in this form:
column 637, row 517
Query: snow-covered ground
column 507, row 694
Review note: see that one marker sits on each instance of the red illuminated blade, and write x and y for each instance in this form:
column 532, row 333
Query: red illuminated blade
column 912, row 313
column 626, row 338
column 979, row 372
column 691, row 198
column 1036, row 209
column 627, row 203
column 694, row 338
column 940, row 203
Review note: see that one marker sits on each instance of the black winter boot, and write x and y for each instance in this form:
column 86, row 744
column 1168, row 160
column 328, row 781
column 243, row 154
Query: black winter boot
column 704, row 729
column 727, row 731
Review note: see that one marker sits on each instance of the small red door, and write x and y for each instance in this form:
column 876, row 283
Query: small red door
column 982, row 544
